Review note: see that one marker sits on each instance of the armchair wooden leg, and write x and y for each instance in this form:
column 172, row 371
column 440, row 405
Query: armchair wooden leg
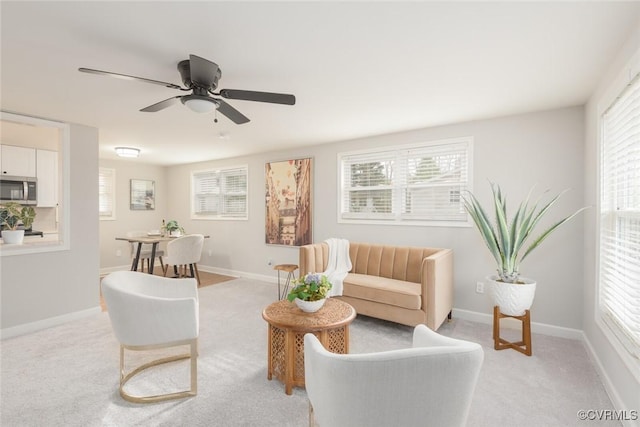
column 312, row 420
column 192, row 355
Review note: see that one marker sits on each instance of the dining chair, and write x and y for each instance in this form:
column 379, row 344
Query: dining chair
column 430, row 384
column 148, row 313
column 184, row 252
column 145, row 252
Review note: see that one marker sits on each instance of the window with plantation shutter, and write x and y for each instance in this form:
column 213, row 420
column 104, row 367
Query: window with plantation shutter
column 107, row 193
column 412, row 184
column 619, row 226
column 220, row 193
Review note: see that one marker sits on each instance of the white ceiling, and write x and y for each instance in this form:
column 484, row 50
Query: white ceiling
column 356, row 68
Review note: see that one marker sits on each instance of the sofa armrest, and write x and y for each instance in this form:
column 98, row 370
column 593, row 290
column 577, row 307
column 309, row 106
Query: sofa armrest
column 437, row 286
column 313, row 258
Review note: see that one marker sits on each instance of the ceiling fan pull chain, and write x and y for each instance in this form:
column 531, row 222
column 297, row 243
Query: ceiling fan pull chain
column 215, row 116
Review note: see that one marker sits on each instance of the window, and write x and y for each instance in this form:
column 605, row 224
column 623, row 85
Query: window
column 220, row 193
column 416, row 184
column 107, row 193
column 619, row 227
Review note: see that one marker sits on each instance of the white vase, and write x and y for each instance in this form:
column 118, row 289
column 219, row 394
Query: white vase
column 309, row 306
column 175, row 233
column 512, row 298
column 13, row 237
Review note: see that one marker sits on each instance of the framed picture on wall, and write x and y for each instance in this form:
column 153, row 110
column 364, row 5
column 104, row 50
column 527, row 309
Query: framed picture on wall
column 143, row 195
column 288, row 200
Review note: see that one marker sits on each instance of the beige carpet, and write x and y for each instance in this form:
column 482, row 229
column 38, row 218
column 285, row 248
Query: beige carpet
column 68, row 375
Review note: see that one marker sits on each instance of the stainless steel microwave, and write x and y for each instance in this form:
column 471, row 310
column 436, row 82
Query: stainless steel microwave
column 19, row 189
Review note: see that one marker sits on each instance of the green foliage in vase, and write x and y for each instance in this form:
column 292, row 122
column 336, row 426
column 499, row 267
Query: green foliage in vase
column 12, row 213
column 312, row 287
column 172, row 225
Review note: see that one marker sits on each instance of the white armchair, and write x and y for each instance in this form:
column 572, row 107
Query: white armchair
column 185, row 252
column 149, row 312
column 430, row 384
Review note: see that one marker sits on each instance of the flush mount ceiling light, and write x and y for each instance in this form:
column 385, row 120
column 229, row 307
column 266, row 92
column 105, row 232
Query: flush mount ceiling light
column 127, row 152
column 200, row 104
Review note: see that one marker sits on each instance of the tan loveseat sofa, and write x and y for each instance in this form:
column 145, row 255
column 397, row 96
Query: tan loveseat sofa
column 407, row 285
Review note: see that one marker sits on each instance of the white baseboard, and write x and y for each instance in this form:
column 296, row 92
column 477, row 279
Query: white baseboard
column 46, row 323
column 538, row 328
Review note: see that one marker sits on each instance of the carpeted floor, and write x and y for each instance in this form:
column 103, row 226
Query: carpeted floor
column 68, row 375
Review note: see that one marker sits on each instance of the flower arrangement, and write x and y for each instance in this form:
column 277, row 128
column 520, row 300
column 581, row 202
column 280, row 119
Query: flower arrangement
column 311, row 287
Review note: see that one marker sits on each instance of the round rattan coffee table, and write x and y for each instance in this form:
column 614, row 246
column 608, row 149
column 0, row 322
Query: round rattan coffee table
column 287, row 326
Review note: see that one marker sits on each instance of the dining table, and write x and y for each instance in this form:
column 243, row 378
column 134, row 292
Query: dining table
column 154, row 240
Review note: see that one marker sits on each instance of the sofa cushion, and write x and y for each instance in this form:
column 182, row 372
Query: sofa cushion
column 381, row 289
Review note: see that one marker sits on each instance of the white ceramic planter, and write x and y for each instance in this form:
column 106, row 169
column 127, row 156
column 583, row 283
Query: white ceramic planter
column 512, row 298
column 13, row 237
column 309, row 306
column 175, row 233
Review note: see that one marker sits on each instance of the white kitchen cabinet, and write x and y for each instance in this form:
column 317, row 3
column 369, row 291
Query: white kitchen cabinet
column 18, row 161
column 47, row 174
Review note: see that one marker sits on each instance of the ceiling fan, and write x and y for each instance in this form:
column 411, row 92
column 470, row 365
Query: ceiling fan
column 200, row 76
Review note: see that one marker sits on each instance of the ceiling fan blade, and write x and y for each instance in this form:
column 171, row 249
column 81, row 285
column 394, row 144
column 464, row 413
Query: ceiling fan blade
column 250, row 95
column 127, row 77
column 161, row 105
column 234, row 115
column 203, row 71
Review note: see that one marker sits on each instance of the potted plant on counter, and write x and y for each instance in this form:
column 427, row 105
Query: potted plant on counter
column 11, row 215
column 310, row 292
column 172, row 228
column 506, row 239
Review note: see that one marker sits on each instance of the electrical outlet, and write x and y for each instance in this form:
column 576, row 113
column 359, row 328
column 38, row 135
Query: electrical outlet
column 480, row 287
column 210, row 252
column 118, row 252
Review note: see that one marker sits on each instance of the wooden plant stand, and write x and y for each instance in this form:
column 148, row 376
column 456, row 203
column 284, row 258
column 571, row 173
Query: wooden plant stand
column 523, row 346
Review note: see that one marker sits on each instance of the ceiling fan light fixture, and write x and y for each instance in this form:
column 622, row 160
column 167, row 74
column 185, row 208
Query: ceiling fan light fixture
column 201, row 105
column 127, row 151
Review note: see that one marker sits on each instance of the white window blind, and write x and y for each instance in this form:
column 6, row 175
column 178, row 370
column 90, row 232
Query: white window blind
column 619, row 278
column 220, row 193
column 418, row 183
column 107, row 193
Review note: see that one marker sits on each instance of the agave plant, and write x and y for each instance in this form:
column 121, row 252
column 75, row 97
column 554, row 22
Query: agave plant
column 505, row 239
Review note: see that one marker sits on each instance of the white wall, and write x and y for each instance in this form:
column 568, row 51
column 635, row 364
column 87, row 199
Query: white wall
column 621, row 376
column 544, row 148
column 40, row 286
column 127, row 219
